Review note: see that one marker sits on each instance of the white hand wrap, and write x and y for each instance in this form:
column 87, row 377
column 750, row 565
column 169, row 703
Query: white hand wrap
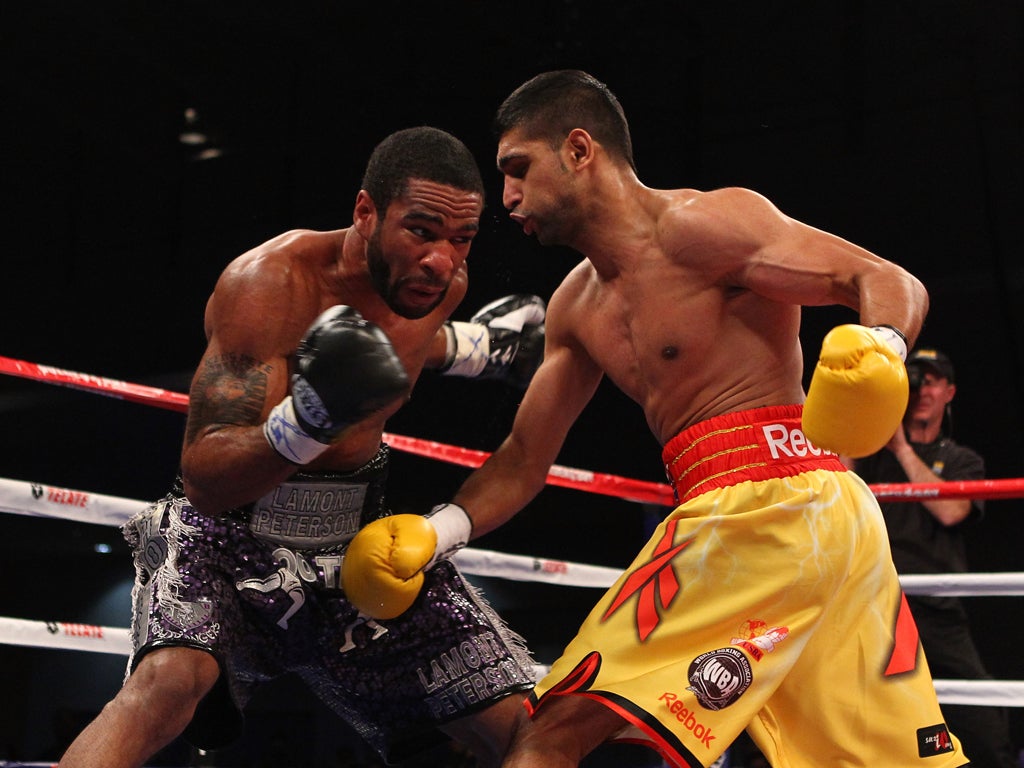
column 454, row 530
column 894, row 338
column 285, row 436
column 469, row 348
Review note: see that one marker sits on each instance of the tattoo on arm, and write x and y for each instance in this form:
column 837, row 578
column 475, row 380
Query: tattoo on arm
column 229, row 390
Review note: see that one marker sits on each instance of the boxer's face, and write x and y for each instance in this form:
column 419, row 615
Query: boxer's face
column 420, row 244
column 928, row 401
column 538, row 187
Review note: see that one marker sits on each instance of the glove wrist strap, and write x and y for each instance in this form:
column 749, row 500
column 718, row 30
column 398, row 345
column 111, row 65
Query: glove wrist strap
column 454, row 530
column 469, row 347
column 894, row 337
column 285, row 436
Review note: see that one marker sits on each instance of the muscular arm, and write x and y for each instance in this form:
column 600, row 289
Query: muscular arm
column 226, row 461
column 558, row 392
column 791, row 262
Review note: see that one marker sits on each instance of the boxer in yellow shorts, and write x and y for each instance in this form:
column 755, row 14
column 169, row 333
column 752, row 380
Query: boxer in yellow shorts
column 768, row 599
column 749, row 609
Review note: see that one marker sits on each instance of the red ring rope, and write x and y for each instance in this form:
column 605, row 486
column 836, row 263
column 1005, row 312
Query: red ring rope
column 567, row 477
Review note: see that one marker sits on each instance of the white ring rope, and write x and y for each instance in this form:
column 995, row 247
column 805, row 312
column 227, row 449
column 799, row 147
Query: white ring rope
column 34, row 499
column 24, row 498
column 85, row 637
column 66, row 636
column 38, row 500
column 964, row 584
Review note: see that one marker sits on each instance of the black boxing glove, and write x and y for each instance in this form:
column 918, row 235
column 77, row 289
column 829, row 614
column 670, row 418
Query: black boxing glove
column 504, row 340
column 346, row 369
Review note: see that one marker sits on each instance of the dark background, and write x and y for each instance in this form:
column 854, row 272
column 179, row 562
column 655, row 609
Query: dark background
column 897, row 124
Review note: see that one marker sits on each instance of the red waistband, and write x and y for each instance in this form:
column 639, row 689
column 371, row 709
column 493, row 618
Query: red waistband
column 758, row 444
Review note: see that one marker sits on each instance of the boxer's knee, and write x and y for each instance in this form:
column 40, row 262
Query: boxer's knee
column 562, row 732
column 167, row 684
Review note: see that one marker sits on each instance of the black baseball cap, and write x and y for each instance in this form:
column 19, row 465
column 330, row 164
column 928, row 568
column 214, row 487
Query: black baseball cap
column 939, row 362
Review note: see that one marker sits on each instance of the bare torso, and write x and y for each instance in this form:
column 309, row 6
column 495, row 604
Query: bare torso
column 259, row 312
column 690, row 302
column 674, row 327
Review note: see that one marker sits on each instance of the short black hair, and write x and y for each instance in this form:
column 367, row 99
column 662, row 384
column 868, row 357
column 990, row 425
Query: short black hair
column 551, row 104
column 419, row 153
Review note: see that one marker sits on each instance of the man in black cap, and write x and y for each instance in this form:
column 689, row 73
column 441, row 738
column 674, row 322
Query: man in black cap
column 926, row 536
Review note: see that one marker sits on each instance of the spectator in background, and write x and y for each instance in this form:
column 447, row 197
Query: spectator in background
column 926, row 536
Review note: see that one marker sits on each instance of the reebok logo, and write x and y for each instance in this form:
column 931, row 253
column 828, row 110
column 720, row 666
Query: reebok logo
column 789, row 443
column 687, row 718
column 654, row 582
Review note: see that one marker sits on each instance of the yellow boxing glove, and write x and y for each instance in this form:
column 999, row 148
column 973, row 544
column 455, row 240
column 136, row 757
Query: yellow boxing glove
column 858, row 391
column 382, row 572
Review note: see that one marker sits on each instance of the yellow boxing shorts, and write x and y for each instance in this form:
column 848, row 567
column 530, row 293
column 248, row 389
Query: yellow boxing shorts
column 766, row 601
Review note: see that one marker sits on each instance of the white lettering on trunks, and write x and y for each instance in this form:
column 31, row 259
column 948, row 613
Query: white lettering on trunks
column 309, row 515
column 467, row 673
column 790, row 443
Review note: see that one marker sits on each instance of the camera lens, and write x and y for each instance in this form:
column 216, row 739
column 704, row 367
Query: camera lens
column 914, row 377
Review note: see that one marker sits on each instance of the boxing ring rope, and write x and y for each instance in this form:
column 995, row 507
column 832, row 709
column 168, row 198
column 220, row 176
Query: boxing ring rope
column 40, row 500
column 117, row 640
column 629, row 489
column 37, row 500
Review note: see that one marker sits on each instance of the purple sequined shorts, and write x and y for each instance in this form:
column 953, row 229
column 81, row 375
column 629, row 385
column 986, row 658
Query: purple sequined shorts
column 263, row 606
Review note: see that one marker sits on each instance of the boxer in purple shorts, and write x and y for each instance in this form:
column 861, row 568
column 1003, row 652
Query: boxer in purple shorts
column 314, row 339
column 249, row 590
